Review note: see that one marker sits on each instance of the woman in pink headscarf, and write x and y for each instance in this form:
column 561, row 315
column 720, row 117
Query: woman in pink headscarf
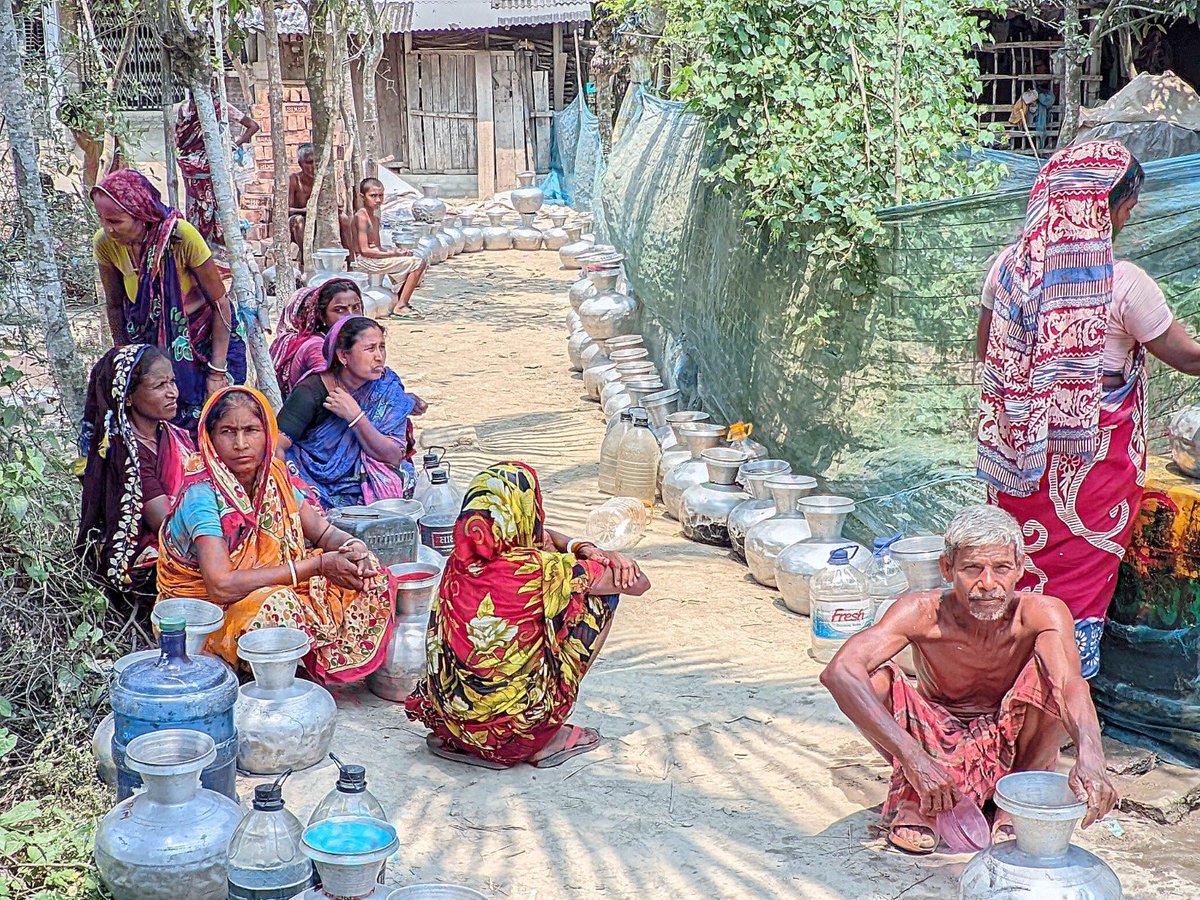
column 299, row 350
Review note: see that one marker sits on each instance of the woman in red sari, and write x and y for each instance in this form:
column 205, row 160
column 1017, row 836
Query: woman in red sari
column 1063, row 333
column 521, row 616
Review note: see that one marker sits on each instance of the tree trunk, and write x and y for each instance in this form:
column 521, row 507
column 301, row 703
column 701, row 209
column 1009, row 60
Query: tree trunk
column 1075, row 47
column 109, row 153
column 285, row 272
column 41, row 264
column 345, row 89
column 323, row 93
column 370, row 119
column 243, row 278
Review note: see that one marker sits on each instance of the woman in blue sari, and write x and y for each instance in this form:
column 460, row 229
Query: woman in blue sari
column 346, row 430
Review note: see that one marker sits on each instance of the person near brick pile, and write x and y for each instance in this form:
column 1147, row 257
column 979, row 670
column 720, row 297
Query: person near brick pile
column 162, row 287
column 300, row 188
column 193, row 163
column 404, row 266
column 999, row 687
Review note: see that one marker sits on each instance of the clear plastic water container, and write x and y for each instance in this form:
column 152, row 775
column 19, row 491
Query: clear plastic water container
column 637, row 461
column 617, row 524
column 838, row 603
column 610, row 447
column 349, row 799
column 442, row 504
column 266, row 854
column 885, row 578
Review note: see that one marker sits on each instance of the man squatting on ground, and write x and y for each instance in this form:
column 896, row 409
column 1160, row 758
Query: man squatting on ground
column 998, row 687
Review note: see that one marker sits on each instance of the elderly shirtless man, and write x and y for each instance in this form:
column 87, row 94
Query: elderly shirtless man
column 998, row 685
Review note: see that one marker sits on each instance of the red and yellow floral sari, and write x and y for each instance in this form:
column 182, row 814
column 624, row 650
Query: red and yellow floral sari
column 512, row 631
column 349, row 629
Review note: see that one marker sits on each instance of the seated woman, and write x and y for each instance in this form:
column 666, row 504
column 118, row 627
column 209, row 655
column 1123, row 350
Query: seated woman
column 239, row 537
column 132, row 470
column 346, row 429
column 521, row 616
column 299, row 349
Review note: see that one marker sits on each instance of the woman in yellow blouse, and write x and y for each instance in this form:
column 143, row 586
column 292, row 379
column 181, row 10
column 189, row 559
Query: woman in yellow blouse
column 162, row 287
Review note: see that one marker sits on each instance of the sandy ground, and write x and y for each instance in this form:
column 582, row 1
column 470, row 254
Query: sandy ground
column 726, row 770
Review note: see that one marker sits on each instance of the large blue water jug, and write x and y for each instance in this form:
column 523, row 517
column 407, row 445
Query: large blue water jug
column 177, row 691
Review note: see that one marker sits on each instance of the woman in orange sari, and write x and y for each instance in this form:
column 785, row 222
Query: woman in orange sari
column 520, row 617
column 240, row 535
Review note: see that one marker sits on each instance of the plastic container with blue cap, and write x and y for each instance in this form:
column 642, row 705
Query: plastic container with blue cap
column 839, row 604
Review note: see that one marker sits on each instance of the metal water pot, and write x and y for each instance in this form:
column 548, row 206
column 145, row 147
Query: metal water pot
column 106, row 767
column 574, row 323
column 472, row 234
column 765, row 540
column 444, row 238
column 919, row 557
column 496, row 235
column 705, row 507
column 433, row 250
column 609, row 313
column 525, row 236
column 330, row 259
column 527, row 198
column 404, row 662
column 677, row 451
column 568, row 254
column 451, row 230
column 593, row 355
column 429, row 208
column 576, row 344
column 760, row 506
column 377, row 300
column 283, row 723
column 658, row 406
column 795, row 566
column 598, row 374
column 579, row 291
column 1041, row 861
column 555, row 237
column 201, row 619
column 171, row 840
column 349, row 852
column 691, row 471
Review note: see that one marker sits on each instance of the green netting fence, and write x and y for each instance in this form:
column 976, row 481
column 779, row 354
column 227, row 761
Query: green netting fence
column 875, row 395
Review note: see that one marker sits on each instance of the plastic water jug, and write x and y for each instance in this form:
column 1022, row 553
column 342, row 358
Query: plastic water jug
column 349, row 798
column 430, row 462
column 617, row 524
column 839, row 605
column 442, row 504
column 637, row 461
column 885, row 578
column 739, row 439
column 175, row 691
column 266, row 855
column 387, row 527
column 609, row 448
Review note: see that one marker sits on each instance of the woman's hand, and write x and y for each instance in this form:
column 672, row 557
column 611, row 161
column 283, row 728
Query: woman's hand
column 214, row 383
column 420, row 405
column 624, row 570
column 358, row 553
column 341, row 404
column 343, row 570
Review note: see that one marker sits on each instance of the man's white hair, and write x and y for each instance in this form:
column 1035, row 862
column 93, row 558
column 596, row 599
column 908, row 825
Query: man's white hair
column 981, row 526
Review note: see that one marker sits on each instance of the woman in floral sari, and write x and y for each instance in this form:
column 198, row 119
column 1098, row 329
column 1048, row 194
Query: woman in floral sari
column 240, row 538
column 299, row 350
column 521, row 616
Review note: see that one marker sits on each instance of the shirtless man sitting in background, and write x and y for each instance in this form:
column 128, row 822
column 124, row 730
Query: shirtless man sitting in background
column 405, row 268
column 300, row 188
column 998, row 687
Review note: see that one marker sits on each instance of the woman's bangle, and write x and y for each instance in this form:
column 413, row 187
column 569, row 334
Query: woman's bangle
column 217, row 370
column 292, row 569
column 356, row 419
column 574, row 544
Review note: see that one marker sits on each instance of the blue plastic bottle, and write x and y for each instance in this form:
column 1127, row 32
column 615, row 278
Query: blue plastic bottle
column 177, row 691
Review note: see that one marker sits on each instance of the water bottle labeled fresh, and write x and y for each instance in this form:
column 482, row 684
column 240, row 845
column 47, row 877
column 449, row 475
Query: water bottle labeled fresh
column 637, row 461
column 885, row 578
column 266, row 855
column 838, row 603
column 617, row 524
column 609, row 448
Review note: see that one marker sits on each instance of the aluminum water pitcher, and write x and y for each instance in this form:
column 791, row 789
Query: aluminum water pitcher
column 404, row 661
column 795, row 567
column 691, row 471
column 765, row 540
column 759, row 507
column 527, row 198
column 705, row 507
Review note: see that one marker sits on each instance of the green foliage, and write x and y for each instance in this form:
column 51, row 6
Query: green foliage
column 824, row 111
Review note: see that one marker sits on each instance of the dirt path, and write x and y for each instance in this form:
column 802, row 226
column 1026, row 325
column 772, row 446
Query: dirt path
column 726, row 769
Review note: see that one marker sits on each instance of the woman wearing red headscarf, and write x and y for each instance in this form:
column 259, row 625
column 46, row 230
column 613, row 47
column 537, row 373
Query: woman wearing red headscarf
column 162, row 287
column 1063, row 334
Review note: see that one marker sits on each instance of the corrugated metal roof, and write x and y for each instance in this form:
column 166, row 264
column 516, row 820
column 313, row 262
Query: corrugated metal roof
column 398, row 16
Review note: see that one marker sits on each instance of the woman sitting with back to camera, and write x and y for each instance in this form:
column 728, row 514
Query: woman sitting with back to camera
column 240, row 535
column 346, row 429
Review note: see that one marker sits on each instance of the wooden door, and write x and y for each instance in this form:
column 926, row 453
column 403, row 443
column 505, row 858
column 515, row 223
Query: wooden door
column 441, row 111
column 521, row 114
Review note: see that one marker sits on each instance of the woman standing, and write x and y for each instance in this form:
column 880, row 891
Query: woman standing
column 1063, row 333
column 520, row 617
column 347, row 430
column 162, row 287
column 133, row 470
column 299, row 350
column 239, row 537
